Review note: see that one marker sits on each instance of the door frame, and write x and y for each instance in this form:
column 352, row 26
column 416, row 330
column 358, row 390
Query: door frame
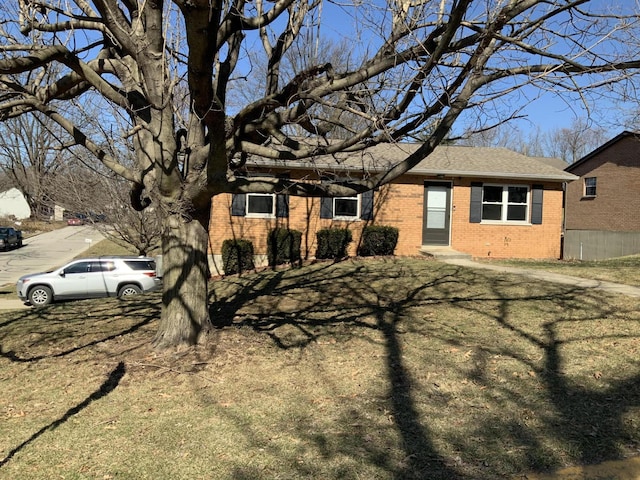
column 449, row 209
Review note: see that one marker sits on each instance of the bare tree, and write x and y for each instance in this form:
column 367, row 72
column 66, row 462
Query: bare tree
column 139, row 229
column 417, row 67
column 567, row 143
column 102, row 199
column 574, row 142
column 30, row 154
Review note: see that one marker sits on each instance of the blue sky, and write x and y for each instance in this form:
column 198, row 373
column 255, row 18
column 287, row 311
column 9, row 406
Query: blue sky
column 552, row 111
column 547, row 111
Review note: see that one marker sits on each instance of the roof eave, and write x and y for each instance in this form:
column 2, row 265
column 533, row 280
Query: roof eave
column 601, row 148
column 565, row 177
column 568, row 177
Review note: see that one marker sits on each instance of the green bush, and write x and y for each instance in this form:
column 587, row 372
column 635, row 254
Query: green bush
column 283, row 246
column 378, row 240
column 237, row 256
column 333, row 242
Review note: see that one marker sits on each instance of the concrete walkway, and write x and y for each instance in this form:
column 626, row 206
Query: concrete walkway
column 550, row 277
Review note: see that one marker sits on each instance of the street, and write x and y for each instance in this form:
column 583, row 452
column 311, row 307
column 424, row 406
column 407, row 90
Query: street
column 46, row 251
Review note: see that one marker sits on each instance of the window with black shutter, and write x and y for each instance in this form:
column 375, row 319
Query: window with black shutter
column 497, row 203
column 356, row 207
column 260, row 205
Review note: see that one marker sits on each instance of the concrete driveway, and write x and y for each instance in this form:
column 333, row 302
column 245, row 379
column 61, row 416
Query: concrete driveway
column 41, row 253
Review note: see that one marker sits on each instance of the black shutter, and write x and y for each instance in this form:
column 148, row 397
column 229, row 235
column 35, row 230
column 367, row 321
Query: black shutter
column 536, row 204
column 366, row 205
column 326, row 207
column 238, row 205
column 282, row 206
column 475, row 209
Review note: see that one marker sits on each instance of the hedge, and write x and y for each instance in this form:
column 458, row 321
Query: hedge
column 237, row 256
column 378, row 240
column 283, row 246
column 333, row 243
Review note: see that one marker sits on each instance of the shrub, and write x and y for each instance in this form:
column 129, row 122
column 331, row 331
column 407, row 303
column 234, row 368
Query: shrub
column 378, row 240
column 237, row 256
column 333, row 242
column 283, row 245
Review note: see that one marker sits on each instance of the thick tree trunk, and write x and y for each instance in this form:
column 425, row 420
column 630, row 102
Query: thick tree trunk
column 185, row 310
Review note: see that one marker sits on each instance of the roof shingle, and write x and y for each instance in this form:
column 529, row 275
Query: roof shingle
column 447, row 160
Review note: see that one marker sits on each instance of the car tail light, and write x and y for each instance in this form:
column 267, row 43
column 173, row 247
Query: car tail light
column 150, row 274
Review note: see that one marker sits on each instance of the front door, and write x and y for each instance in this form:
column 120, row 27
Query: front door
column 437, row 213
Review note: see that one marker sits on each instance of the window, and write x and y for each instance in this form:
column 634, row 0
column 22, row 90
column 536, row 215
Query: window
column 261, row 204
column 80, row 267
column 140, row 264
column 505, row 203
column 590, row 187
column 102, row 266
column 345, row 207
column 358, row 207
column 522, row 204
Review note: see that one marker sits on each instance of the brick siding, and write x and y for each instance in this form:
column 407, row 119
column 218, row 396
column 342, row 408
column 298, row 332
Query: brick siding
column 401, row 205
column 483, row 240
column 617, row 202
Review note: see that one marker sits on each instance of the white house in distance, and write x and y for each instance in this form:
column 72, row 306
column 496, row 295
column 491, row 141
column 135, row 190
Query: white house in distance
column 12, row 202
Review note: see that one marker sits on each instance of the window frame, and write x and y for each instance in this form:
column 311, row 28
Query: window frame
column 249, row 214
column 357, row 216
column 504, row 204
column 585, row 191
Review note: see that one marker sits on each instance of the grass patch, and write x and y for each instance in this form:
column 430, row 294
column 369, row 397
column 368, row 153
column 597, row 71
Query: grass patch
column 625, row 270
column 107, row 247
column 377, row 369
column 30, row 227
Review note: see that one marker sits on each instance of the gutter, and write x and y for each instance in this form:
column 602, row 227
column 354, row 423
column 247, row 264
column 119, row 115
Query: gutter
column 564, row 177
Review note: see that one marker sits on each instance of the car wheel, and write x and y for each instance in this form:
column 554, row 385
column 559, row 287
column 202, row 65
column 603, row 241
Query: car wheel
column 130, row 289
column 40, row 296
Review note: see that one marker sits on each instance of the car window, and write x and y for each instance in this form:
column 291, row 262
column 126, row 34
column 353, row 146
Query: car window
column 102, row 266
column 108, row 266
column 141, row 264
column 80, row 267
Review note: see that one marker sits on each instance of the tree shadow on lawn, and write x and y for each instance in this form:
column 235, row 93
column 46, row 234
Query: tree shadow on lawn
column 585, row 424
column 103, row 390
column 589, row 419
column 80, row 325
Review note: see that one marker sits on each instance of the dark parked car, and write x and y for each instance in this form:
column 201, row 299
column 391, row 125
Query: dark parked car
column 9, row 238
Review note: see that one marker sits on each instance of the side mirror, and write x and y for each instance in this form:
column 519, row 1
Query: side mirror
column 62, row 274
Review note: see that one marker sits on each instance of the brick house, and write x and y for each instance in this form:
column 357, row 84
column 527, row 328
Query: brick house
column 602, row 208
column 485, row 202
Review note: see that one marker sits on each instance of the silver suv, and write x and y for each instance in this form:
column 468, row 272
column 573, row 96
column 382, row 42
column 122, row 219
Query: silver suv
column 90, row 278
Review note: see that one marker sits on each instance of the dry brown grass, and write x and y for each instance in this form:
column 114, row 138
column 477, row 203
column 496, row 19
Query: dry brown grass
column 108, row 247
column 385, row 369
column 34, row 227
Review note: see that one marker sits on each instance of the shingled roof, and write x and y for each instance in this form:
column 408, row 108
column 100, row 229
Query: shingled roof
column 446, row 160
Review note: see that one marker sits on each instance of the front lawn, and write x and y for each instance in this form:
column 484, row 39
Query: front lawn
column 365, row 369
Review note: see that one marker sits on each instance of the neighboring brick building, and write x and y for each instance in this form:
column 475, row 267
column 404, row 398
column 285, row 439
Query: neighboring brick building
column 486, row 202
column 603, row 207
